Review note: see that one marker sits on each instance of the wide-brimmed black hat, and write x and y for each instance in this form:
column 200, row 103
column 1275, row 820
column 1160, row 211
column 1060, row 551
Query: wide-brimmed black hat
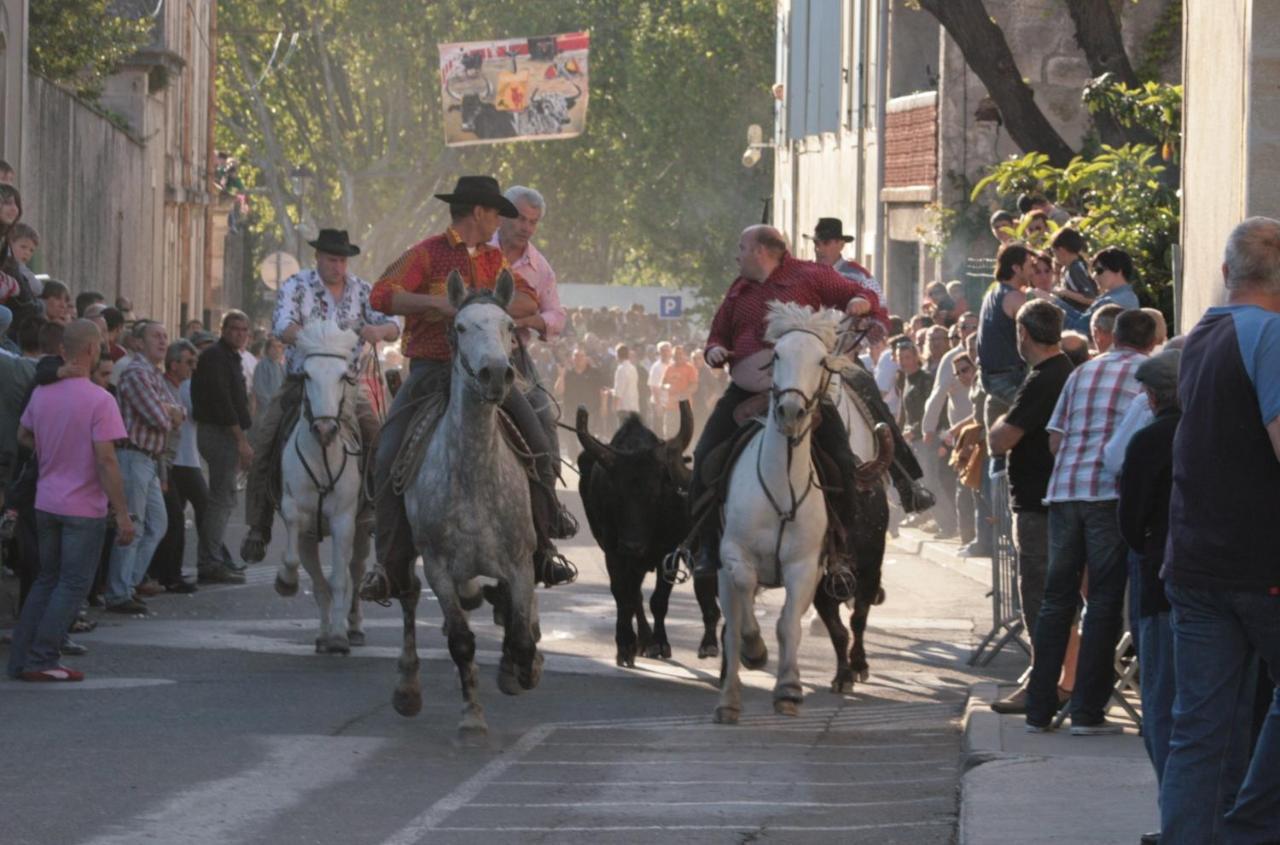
column 829, row 229
column 480, row 190
column 335, row 242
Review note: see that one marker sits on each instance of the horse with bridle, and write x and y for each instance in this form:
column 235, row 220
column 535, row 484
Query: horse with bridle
column 469, row 507
column 321, row 486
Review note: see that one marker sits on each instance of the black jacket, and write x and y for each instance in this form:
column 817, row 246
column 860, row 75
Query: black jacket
column 1145, row 484
column 218, row 395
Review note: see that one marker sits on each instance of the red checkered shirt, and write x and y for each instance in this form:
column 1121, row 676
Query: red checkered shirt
column 143, row 397
column 424, row 268
column 1090, row 407
column 739, row 323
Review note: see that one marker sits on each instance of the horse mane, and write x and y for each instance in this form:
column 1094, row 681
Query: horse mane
column 325, row 338
column 790, row 317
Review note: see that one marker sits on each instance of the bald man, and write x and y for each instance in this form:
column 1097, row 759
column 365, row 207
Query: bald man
column 768, row 272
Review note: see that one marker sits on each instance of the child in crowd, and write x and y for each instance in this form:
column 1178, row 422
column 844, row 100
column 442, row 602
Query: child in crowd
column 1076, row 285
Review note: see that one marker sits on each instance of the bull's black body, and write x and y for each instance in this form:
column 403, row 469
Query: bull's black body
column 634, row 495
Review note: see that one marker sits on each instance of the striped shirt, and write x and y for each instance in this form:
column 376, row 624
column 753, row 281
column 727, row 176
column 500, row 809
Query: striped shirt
column 143, row 397
column 1091, row 405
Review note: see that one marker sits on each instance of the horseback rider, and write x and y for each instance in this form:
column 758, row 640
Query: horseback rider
column 829, row 241
column 327, row 292
column 769, row 272
column 414, row 286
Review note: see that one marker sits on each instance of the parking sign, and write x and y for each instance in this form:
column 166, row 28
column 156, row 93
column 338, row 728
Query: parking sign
column 670, row 307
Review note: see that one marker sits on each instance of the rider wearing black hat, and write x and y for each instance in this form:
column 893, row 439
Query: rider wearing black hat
column 327, row 292
column 414, row 286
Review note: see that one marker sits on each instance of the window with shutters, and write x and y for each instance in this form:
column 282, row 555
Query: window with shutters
column 814, row 41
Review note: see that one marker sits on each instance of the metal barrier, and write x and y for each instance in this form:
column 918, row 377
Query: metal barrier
column 1006, row 601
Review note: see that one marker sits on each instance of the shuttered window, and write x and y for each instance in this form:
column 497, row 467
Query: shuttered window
column 813, row 67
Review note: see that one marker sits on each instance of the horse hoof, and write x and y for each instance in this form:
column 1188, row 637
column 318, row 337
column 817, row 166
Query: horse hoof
column 507, row 679
column 727, row 715
column 284, row 588
column 863, row 675
column 530, row 677
column 842, row 687
column 407, row 702
column 708, row 650
column 756, row 661
column 879, row 599
column 355, row 638
column 333, row 645
column 473, row 733
column 786, row 707
column 666, row 651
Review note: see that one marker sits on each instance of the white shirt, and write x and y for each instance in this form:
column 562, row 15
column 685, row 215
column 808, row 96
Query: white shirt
column 887, row 381
column 626, row 387
column 657, row 373
column 187, row 455
column 1136, row 417
column 948, row 391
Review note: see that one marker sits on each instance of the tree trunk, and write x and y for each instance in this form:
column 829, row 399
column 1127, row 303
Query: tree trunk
column 1099, row 35
column 987, row 53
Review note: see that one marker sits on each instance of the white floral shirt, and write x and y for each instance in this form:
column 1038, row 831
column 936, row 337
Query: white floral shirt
column 304, row 299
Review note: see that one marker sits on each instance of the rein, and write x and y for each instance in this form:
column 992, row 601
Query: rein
column 324, row 488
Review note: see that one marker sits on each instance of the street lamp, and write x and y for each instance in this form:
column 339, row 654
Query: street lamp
column 300, row 181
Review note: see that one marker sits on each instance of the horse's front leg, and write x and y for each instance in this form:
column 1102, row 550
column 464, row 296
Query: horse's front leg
column 287, row 573
column 309, row 551
column 737, row 598
column 462, row 647
column 342, row 538
column 521, row 665
column 356, row 568
column 801, row 580
column 705, row 590
column 407, row 698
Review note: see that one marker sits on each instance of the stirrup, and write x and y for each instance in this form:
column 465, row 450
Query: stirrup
column 375, row 586
column 549, row 564
column 677, row 567
column 841, row 584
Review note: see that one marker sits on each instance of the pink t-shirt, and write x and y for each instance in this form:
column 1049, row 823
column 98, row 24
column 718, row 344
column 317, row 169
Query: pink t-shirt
column 67, row 418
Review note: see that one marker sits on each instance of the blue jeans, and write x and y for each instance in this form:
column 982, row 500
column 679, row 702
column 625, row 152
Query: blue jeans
column 70, row 547
column 1214, row 634
column 1083, row 536
column 1155, row 657
column 128, row 564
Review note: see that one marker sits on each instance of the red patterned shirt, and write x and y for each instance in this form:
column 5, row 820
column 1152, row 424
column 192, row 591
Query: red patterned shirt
column 424, row 268
column 143, row 397
column 739, row 324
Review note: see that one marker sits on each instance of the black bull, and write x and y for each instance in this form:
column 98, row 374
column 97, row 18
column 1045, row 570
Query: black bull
column 633, row 491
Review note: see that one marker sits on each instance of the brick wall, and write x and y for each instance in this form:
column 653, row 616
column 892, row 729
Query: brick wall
column 911, row 147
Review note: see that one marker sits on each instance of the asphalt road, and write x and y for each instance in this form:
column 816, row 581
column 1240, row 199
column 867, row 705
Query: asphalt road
column 211, row 720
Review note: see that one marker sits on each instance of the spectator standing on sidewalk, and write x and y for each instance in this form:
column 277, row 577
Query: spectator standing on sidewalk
column 1022, row 435
column 72, row 425
column 220, row 406
column 1222, row 567
column 1084, row 536
column 149, row 415
column 626, row 385
column 166, row 564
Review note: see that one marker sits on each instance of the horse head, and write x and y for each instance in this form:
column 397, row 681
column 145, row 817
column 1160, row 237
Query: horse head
column 326, row 351
column 482, row 336
column 803, row 340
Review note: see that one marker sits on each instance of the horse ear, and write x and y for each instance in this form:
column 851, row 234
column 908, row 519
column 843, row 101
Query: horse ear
column 505, row 289
column 456, row 288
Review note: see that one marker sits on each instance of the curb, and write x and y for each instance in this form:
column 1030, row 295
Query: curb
column 945, row 554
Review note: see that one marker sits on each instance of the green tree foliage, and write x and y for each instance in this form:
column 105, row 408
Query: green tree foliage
column 79, row 43
column 1119, row 197
column 652, row 192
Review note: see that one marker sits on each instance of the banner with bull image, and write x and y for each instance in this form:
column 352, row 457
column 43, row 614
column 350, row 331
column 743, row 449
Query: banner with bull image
column 515, row 89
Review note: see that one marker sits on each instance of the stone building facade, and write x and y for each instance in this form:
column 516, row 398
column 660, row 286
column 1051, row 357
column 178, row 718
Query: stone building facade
column 879, row 72
column 1231, row 141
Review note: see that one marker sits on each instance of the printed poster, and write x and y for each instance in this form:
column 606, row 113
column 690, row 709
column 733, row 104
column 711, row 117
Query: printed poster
column 515, row 89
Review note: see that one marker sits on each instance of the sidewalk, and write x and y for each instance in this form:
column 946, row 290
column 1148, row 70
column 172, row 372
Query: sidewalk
column 1051, row 788
column 913, row 541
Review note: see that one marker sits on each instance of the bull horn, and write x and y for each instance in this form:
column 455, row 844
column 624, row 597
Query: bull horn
column 684, row 436
column 869, row 473
column 590, row 444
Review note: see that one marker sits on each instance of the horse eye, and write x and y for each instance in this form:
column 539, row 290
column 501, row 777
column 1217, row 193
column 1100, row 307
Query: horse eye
column 461, row 328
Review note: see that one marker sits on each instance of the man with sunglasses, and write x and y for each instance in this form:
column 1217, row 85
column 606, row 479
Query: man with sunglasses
column 1113, row 271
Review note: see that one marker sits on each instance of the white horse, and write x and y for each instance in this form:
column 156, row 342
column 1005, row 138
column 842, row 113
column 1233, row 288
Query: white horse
column 321, row 488
column 470, row 512
column 775, row 516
